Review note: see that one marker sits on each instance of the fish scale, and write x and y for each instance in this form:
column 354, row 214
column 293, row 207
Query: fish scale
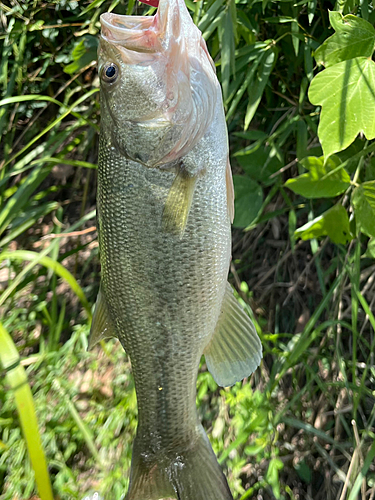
column 165, row 203
column 155, row 284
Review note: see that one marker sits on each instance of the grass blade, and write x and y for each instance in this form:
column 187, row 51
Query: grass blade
column 43, row 260
column 256, row 90
column 55, row 122
column 227, row 51
column 21, row 196
column 80, row 423
column 22, row 223
column 361, row 476
column 17, row 379
column 210, row 16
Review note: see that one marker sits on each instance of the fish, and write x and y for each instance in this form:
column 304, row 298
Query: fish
column 165, row 203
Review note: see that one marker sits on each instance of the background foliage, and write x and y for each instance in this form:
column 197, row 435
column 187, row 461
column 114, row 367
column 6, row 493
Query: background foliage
column 298, row 84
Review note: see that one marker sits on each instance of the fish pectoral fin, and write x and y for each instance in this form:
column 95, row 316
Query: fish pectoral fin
column 102, row 326
column 235, row 349
column 178, row 203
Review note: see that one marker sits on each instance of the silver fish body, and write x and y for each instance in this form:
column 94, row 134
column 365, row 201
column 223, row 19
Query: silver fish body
column 164, row 206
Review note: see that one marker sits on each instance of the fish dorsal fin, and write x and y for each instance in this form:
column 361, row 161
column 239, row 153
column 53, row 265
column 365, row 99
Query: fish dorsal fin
column 235, row 350
column 102, row 326
column 230, row 191
column 178, row 203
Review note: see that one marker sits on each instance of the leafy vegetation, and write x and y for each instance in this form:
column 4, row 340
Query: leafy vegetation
column 298, row 84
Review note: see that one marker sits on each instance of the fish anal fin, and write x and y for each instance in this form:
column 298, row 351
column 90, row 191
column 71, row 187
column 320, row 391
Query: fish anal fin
column 178, row 203
column 230, row 191
column 235, row 350
column 102, row 326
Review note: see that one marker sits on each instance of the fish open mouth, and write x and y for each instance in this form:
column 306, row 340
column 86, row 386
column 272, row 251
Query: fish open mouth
column 132, row 32
column 137, row 33
column 121, row 25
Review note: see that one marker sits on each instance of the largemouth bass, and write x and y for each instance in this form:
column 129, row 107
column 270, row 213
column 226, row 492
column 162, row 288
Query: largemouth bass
column 165, row 203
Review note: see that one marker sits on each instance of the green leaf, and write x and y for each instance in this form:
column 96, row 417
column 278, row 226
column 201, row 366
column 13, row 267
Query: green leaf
column 302, row 138
column 304, row 471
column 247, row 202
column 354, row 37
column 210, row 15
column 93, row 5
column 295, row 37
column 333, row 223
column 241, row 84
column 370, row 252
column 257, row 86
column 292, row 223
column 346, row 92
column 272, row 476
column 254, row 449
column 319, row 182
column 363, row 200
column 227, row 51
column 260, row 162
column 83, row 54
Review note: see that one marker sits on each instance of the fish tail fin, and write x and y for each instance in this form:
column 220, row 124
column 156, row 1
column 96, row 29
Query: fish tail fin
column 187, row 474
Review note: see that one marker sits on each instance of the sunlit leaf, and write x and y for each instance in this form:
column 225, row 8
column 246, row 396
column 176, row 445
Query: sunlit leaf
column 272, row 476
column 323, row 180
column 333, row 223
column 346, row 92
column 370, row 252
column 363, row 200
column 210, row 15
column 93, row 5
column 354, row 37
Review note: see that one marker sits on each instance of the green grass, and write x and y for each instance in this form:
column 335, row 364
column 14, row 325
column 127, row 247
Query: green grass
column 303, row 426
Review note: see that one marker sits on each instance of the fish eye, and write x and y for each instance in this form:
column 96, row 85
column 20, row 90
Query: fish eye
column 110, row 72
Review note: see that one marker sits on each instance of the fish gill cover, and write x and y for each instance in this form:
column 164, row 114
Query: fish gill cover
column 172, row 46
